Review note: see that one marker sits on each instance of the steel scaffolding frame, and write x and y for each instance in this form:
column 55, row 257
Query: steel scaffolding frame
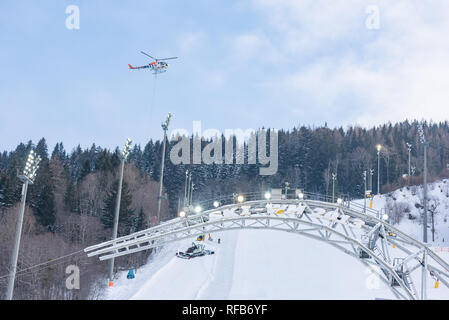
column 364, row 237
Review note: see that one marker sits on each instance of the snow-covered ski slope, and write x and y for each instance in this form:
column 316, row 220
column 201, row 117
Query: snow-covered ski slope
column 406, row 201
column 267, row 264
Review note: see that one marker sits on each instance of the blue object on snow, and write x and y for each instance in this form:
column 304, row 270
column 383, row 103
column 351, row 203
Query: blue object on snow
column 131, row 274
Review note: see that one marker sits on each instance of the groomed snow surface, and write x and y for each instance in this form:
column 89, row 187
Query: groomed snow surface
column 266, row 264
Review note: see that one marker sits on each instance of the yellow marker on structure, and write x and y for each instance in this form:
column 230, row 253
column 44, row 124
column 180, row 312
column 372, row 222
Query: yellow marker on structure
column 280, row 211
column 371, row 204
column 437, row 283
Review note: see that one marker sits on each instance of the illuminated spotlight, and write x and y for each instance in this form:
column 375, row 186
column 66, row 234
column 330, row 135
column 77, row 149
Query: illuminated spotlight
column 216, row 204
column 127, row 148
column 198, row 209
column 378, row 147
column 301, row 195
column 339, row 201
column 182, row 214
column 385, row 216
column 240, row 198
column 267, row 196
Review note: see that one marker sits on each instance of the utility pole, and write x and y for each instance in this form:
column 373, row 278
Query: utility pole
column 286, row 189
column 191, row 192
column 29, row 173
column 364, row 195
column 161, row 180
column 185, row 188
column 379, row 147
column 125, row 154
column 189, row 189
column 424, row 265
column 371, row 173
column 334, row 178
column 409, row 147
column 425, row 144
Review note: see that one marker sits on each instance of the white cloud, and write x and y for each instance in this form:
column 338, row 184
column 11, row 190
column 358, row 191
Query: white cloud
column 254, row 45
column 191, row 41
column 399, row 71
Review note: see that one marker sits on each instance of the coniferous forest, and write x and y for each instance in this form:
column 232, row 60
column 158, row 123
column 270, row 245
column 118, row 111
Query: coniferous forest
column 71, row 203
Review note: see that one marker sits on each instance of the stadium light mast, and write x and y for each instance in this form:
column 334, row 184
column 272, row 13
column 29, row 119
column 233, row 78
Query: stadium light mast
column 28, row 176
column 364, row 195
column 378, row 147
column 334, row 178
column 371, row 173
column 409, row 148
column 125, row 154
column 161, row 180
column 185, row 188
column 422, row 138
column 189, row 188
column 425, row 144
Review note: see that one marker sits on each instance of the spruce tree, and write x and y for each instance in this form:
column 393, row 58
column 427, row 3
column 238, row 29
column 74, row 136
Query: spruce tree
column 126, row 213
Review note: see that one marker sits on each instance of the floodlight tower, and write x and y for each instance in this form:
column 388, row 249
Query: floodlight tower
column 28, row 176
column 185, row 188
column 189, row 189
column 409, row 147
column 161, row 180
column 378, row 147
column 125, row 154
column 422, row 138
column 191, row 192
column 371, row 173
column 334, row 178
column 364, row 195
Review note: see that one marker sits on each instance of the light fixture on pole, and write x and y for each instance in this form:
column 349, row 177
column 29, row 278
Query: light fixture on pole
column 28, row 176
column 189, row 185
column 364, row 195
column 161, row 180
column 371, row 173
column 192, row 188
column 125, row 155
column 424, row 273
column 425, row 144
column 267, row 195
column 185, row 188
column 378, row 147
column 287, row 187
column 409, row 148
column 334, row 179
column 216, row 204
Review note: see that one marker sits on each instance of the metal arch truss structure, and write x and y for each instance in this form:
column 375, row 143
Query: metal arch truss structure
column 398, row 259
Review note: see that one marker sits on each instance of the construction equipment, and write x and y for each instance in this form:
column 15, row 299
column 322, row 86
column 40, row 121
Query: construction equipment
column 196, row 250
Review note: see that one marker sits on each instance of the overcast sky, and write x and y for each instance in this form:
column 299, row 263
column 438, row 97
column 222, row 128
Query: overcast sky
column 242, row 64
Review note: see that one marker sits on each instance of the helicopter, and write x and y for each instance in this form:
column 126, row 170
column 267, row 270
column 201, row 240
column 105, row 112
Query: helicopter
column 157, row 66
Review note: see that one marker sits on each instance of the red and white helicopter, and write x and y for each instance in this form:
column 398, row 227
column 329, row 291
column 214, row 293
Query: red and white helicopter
column 157, row 66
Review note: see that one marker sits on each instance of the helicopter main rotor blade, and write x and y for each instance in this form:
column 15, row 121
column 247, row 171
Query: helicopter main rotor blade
column 148, row 55
column 168, row 58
